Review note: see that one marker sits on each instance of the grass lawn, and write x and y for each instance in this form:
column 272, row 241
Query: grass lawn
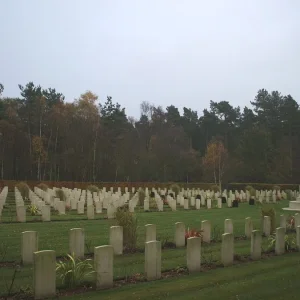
column 55, row 235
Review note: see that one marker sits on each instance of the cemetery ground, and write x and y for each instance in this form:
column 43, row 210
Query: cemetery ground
column 272, row 276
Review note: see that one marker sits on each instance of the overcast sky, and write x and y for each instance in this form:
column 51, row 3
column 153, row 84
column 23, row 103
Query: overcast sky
column 180, row 52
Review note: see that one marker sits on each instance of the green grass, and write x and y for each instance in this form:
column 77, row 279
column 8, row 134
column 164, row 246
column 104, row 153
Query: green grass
column 55, row 235
column 274, row 278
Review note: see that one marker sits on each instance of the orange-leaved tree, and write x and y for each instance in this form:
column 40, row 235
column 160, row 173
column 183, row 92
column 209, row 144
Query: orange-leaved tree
column 215, row 160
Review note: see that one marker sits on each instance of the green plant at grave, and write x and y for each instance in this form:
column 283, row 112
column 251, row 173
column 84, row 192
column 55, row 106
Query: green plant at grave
column 175, row 188
column 23, row 189
column 60, row 194
column 141, row 195
column 289, row 243
column 248, row 188
column 166, row 242
column 92, row 188
column 73, row 272
column 128, row 221
column 270, row 212
column 33, row 210
column 43, row 186
column 215, row 188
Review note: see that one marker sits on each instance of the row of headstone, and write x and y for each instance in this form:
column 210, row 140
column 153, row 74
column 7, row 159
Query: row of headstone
column 45, row 261
column 3, row 196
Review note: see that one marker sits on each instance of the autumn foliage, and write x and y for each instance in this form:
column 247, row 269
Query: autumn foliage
column 215, row 160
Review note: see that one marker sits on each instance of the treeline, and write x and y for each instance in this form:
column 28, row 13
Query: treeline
column 43, row 137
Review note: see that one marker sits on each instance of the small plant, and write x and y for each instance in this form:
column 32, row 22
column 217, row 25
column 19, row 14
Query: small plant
column 73, row 272
column 289, row 243
column 43, row 186
column 60, row 194
column 215, row 188
column 23, row 189
column 33, row 210
column 152, row 203
column 175, row 188
column 166, row 242
column 68, row 207
column 129, row 223
column 270, row 212
column 92, row 188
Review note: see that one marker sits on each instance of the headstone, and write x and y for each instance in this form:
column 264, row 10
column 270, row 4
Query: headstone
column 104, row 265
column 227, row 249
column 228, row 226
column 298, row 237
column 267, row 226
column 283, row 221
column 209, row 203
column 248, row 227
column 29, row 245
column 186, row 203
column 198, row 203
column 179, row 234
column 219, row 203
column 80, row 207
column 193, row 254
column 280, row 241
column 76, row 242
column 153, row 260
column 116, row 239
column 98, row 207
column 46, row 213
column 150, row 232
column 90, row 212
column 206, row 228
column 256, row 244
column 44, row 277
column 21, row 213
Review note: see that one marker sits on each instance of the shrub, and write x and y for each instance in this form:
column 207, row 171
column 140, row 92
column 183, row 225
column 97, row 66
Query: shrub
column 92, row 188
column 73, row 272
column 270, row 212
column 60, row 194
column 141, row 195
column 215, row 188
column 129, row 223
column 248, row 187
column 175, row 188
column 152, row 203
column 43, row 186
column 289, row 194
column 23, row 189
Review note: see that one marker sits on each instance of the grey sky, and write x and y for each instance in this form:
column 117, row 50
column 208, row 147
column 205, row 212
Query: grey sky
column 166, row 52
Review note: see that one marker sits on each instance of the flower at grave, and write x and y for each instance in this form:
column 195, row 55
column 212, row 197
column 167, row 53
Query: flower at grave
column 68, row 207
column 193, row 233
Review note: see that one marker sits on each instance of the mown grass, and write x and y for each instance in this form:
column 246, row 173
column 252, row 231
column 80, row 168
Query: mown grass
column 55, row 236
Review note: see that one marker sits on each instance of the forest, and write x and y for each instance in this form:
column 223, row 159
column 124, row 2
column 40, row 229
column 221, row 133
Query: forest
column 44, row 137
